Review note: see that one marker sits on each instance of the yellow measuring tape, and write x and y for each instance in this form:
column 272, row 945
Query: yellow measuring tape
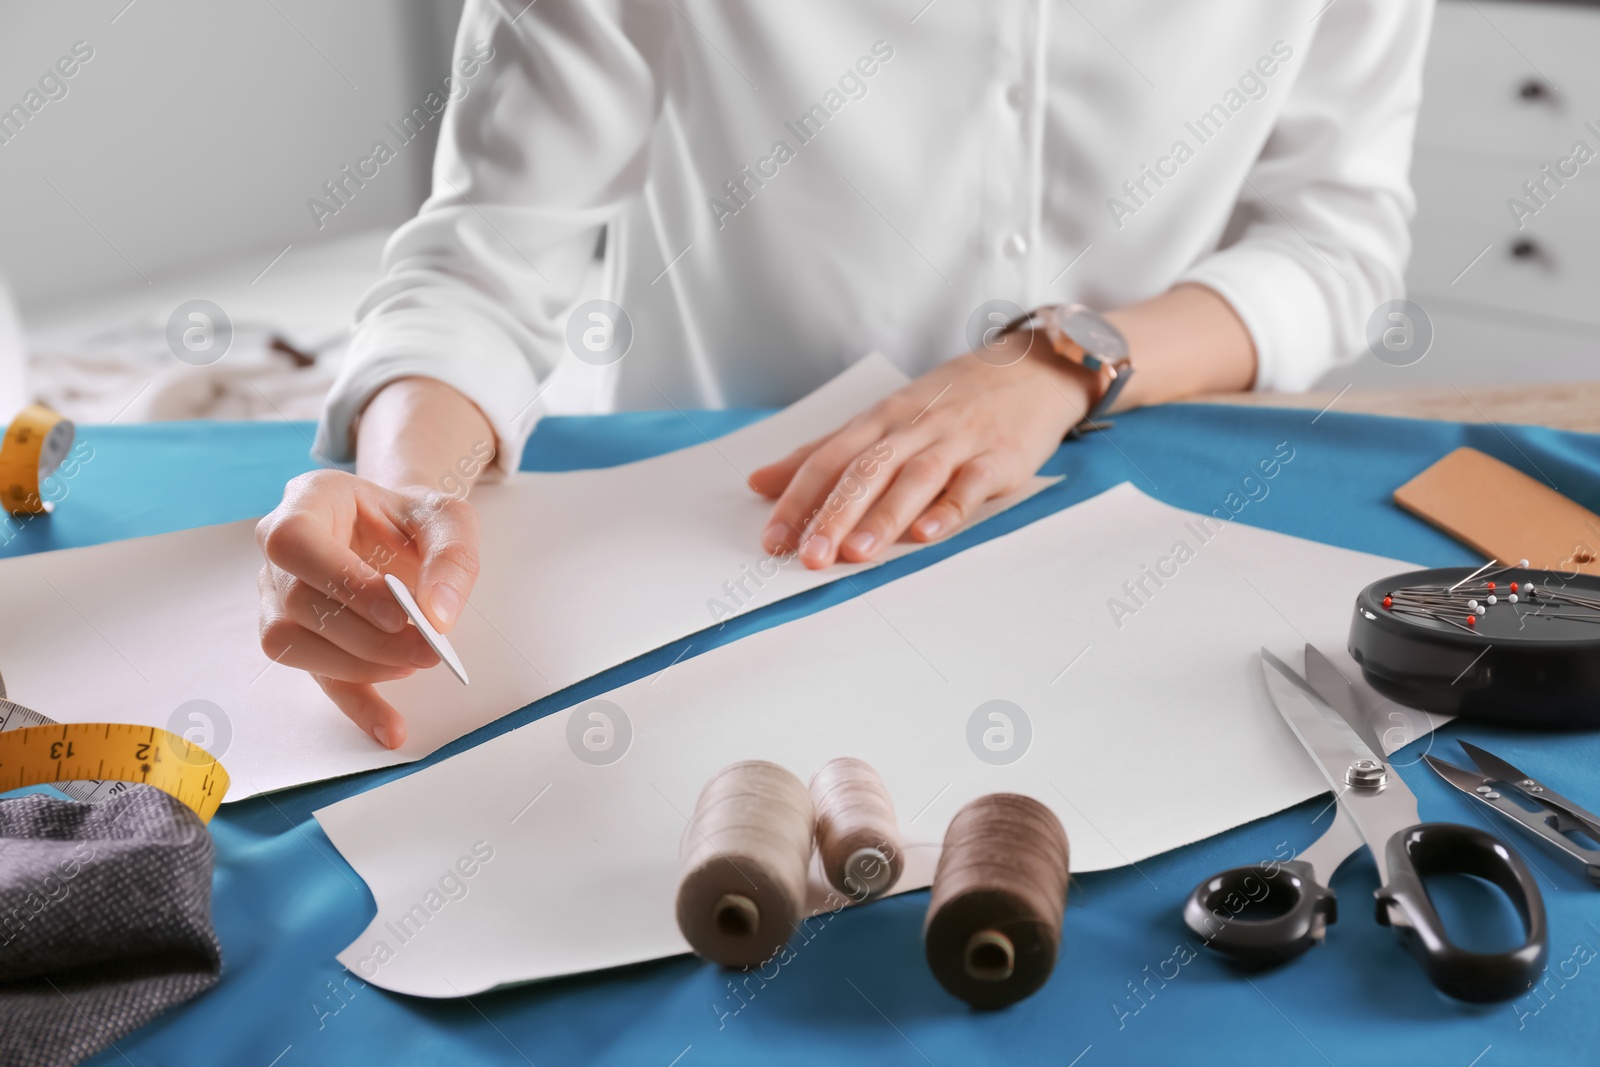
column 94, row 761
column 89, row 761
column 35, row 443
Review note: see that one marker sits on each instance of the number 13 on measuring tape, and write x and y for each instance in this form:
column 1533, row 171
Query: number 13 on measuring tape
column 92, row 761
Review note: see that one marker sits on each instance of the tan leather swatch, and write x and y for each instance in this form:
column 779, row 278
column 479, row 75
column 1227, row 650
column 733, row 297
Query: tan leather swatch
column 1503, row 513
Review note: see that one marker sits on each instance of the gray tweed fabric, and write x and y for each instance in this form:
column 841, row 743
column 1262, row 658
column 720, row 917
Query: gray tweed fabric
column 105, row 921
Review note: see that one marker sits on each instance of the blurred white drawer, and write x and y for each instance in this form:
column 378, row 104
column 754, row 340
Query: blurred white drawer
column 1468, row 246
column 1513, row 79
column 1474, row 346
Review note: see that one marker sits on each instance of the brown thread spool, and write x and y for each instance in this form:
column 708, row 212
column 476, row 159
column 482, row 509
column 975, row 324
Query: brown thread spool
column 747, row 851
column 858, row 835
column 999, row 891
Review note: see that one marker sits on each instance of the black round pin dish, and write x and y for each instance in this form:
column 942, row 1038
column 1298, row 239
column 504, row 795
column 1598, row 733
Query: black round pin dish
column 1509, row 645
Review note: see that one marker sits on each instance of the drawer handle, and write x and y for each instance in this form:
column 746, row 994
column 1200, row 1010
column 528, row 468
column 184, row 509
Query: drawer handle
column 1536, row 90
column 1528, row 250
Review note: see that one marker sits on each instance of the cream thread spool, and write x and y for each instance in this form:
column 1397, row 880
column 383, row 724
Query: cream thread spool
column 858, row 836
column 999, row 893
column 747, row 851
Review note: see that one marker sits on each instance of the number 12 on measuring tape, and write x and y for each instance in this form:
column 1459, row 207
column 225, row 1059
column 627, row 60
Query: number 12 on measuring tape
column 105, row 756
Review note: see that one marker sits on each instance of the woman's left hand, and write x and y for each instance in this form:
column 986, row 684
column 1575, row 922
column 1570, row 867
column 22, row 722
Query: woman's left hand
column 925, row 457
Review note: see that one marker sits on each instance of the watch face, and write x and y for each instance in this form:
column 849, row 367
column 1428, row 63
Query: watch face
column 1101, row 342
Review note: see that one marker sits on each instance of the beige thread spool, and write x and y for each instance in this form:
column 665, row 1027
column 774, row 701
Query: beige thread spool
column 858, row 835
column 747, row 851
column 999, row 893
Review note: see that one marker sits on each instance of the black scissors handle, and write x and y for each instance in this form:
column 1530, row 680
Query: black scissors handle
column 1268, row 914
column 1449, row 848
column 1289, row 912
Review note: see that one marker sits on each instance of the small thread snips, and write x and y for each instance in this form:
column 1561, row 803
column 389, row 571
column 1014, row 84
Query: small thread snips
column 1551, row 819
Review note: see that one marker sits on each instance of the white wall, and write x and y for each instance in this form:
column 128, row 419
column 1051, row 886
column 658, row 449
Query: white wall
column 199, row 129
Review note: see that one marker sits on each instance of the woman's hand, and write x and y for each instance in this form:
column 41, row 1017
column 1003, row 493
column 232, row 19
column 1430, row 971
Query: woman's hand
column 925, row 457
column 324, row 602
column 324, row 605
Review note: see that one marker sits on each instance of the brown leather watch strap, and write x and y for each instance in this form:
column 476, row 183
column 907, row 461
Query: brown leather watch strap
column 1112, row 373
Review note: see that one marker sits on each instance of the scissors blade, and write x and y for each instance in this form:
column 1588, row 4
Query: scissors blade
column 1463, row 779
column 1377, row 813
column 1351, row 701
column 1498, row 770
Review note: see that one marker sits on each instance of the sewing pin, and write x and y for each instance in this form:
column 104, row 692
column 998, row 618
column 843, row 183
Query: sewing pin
column 1473, row 575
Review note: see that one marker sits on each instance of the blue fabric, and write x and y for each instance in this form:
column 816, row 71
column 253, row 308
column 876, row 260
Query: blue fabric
column 1126, row 989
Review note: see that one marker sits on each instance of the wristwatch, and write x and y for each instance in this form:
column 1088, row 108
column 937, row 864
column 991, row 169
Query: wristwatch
column 1087, row 338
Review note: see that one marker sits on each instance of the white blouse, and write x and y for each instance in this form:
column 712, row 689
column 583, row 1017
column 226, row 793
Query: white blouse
column 785, row 186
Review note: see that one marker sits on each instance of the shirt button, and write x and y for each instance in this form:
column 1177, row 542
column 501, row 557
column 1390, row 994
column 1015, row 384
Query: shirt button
column 1014, row 96
column 1015, row 246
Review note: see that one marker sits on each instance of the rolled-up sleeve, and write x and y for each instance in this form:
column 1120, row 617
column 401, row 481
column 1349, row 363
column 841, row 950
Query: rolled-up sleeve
column 1320, row 234
column 545, row 141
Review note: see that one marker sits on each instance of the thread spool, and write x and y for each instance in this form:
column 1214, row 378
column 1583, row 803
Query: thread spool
column 858, row 836
column 999, row 892
column 746, row 854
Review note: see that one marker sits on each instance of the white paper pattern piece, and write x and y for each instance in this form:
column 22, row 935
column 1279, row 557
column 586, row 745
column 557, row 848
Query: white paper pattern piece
column 581, row 571
column 1003, row 668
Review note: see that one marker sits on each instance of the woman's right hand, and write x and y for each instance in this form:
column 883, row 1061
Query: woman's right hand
column 324, row 605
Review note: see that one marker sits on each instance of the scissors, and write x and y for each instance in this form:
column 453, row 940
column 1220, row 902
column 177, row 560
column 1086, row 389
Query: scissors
column 1555, row 814
column 1375, row 809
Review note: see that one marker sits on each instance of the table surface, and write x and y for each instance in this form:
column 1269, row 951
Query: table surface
column 1132, row 986
column 1560, row 405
